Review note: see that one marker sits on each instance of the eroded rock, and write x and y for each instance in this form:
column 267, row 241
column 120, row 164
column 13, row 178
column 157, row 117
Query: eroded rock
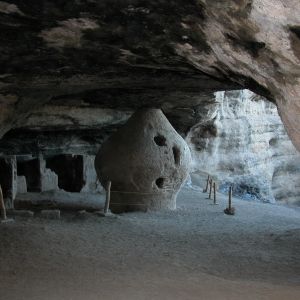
column 67, row 64
column 146, row 160
column 101, row 51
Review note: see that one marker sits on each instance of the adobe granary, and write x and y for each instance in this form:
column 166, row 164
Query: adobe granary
column 146, row 160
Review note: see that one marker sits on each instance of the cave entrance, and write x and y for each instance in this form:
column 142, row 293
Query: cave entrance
column 6, row 178
column 69, row 169
column 30, row 169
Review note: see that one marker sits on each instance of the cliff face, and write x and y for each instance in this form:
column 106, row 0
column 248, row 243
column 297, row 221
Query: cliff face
column 241, row 140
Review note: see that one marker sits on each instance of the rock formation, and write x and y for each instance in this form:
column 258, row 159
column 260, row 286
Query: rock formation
column 146, row 161
column 102, row 52
column 72, row 72
column 241, row 140
column 236, row 136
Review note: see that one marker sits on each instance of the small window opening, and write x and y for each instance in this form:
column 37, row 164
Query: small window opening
column 176, row 153
column 160, row 140
column 160, row 182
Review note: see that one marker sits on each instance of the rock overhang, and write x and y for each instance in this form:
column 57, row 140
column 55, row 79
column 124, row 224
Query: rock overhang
column 127, row 54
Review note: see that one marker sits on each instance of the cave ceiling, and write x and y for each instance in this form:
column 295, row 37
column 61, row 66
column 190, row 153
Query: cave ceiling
column 121, row 55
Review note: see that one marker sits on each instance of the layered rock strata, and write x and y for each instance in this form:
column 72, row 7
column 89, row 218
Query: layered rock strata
column 241, row 140
column 103, row 52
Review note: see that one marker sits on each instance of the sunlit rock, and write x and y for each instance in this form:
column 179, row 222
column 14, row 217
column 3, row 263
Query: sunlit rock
column 241, row 140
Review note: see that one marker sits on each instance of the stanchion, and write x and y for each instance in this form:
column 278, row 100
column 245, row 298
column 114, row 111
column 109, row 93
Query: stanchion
column 207, row 182
column 210, row 188
column 229, row 210
column 215, row 194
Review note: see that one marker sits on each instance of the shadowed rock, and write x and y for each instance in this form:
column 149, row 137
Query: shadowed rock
column 102, row 52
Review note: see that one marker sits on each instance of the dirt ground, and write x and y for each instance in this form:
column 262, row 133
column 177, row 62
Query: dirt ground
column 195, row 252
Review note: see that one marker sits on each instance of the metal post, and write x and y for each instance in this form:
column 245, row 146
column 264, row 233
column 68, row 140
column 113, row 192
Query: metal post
column 229, row 210
column 230, row 198
column 106, row 207
column 215, row 195
column 207, row 182
column 210, row 188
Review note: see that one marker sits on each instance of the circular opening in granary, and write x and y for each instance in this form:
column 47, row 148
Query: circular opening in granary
column 160, row 182
column 160, row 140
column 176, row 154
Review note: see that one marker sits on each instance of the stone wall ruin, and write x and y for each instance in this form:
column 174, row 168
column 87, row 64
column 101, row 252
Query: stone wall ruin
column 27, row 180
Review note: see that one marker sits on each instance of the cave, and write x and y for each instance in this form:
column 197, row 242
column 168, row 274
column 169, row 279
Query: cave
column 124, row 128
column 69, row 169
column 160, row 140
column 30, row 169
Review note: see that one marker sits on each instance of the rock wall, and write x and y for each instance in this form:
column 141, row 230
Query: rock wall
column 240, row 139
column 236, row 136
column 123, row 54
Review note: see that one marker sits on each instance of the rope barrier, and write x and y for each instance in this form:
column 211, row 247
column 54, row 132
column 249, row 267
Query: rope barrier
column 111, row 203
column 140, row 193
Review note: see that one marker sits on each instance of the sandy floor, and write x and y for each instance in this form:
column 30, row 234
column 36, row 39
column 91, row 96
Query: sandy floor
column 196, row 252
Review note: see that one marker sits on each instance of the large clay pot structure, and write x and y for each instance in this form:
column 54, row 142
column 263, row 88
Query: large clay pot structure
column 146, row 160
